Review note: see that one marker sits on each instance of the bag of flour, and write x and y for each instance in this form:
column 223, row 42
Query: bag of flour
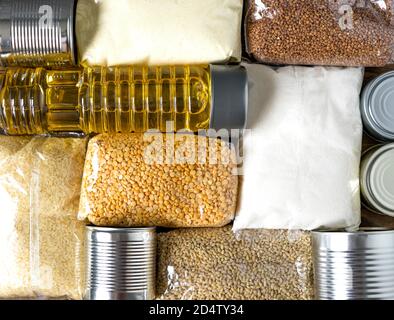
column 302, row 152
column 158, row 32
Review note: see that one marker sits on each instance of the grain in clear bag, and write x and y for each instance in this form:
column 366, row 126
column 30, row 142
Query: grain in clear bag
column 321, row 32
column 217, row 264
column 163, row 180
column 41, row 240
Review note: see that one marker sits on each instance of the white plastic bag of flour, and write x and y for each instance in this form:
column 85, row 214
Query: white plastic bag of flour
column 302, row 154
column 158, row 32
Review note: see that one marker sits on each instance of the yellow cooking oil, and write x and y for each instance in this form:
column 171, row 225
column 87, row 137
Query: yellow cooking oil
column 105, row 100
column 52, row 60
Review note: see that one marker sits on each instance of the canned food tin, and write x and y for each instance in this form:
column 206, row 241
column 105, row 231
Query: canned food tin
column 377, row 109
column 37, row 33
column 377, row 179
column 355, row 265
column 121, row 264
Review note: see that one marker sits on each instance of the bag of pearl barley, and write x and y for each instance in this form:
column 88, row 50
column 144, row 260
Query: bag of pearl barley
column 216, row 264
column 159, row 180
column 321, row 32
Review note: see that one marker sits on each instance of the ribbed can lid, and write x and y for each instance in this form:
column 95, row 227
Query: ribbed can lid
column 377, row 179
column 377, row 107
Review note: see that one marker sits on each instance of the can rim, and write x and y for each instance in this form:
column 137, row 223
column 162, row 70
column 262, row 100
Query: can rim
column 120, row 230
column 72, row 33
column 364, row 230
column 371, row 125
column 371, row 156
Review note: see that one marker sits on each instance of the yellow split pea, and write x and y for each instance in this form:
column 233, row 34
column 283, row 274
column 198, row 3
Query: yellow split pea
column 132, row 180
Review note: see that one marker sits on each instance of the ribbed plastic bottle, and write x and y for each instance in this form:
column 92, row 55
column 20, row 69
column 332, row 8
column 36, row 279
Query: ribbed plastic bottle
column 122, row 99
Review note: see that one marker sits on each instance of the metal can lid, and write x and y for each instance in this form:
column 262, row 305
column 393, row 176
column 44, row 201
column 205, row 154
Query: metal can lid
column 110, row 235
column 377, row 110
column 377, row 179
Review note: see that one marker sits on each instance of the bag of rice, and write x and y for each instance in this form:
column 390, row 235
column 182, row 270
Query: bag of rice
column 41, row 240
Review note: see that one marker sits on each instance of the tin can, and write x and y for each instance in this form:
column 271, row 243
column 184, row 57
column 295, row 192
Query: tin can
column 377, row 179
column 37, row 33
column 121, row 264
column 377, row 110
column 354, row 265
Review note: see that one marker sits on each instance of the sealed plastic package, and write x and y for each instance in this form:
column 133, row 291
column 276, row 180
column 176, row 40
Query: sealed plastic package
column 164, row 180
column 216, row 264
column 41, row 240
column 158, row 32
column 302, row 151
column 321, row 32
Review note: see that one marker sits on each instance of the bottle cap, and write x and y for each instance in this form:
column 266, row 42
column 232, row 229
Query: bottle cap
column 37, row 33
column 377, row 110
column 229, row 85
column 377, row 179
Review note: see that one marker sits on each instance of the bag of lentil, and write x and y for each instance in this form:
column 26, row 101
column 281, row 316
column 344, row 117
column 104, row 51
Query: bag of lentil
column 41, row 240
column 216, row 264
column 163, row 180
column 321, row 32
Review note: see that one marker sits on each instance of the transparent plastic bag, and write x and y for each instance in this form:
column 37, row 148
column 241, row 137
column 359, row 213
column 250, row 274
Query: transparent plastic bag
column 216, row 264
column 158, row 32
column 41, row 240
column 164, row 180
column 321, row 32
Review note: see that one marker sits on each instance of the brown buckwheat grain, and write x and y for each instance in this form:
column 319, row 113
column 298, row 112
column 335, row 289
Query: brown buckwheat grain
column 199, row 264
column 126, row 186
column 321, row 32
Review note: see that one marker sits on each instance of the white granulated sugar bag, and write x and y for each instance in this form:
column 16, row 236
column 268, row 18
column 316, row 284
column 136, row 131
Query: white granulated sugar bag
column 302, row 156
column 157, row 32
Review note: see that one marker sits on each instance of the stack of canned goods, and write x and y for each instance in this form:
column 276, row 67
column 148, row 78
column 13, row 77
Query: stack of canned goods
column 377, row 167
column 359, row 265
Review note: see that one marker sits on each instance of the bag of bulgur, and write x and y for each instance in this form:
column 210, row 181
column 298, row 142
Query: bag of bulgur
column 216, row 264
column 41, row 240
column 163, row 180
